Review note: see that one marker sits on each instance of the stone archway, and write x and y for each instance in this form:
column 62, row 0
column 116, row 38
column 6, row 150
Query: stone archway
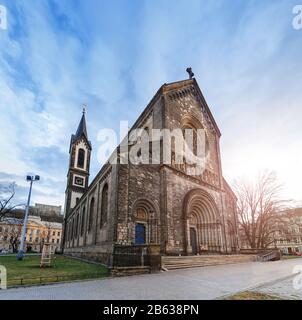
column 145, row 216
column 201, row 214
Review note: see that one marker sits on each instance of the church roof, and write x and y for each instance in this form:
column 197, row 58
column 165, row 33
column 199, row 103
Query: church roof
column 82, row 128
column 179, row 85
column 81, row 131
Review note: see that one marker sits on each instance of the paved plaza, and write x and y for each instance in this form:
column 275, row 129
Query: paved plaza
column 196, row 283
column 284, row 289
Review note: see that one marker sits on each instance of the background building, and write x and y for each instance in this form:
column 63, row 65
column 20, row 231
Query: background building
column 288, row 235
column 46, row 210
column 45, row 226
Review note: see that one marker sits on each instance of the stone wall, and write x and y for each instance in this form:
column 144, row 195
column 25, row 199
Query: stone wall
column 93, row 241
column 138, row 183
column 160, row 189
column 100, row 253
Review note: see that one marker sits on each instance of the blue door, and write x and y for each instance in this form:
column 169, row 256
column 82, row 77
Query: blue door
column 140, row 234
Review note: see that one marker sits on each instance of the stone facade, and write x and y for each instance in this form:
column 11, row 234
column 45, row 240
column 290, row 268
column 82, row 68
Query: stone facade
column 288, row 234
column 38, row 233
column 135, row 204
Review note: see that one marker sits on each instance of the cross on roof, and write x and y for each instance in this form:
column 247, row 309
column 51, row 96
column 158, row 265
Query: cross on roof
column 190, row 72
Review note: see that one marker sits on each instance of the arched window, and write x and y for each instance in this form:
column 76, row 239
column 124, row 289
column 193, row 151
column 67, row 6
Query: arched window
column 81, row 158
column 190, row 134
column 77, row 225
column 83, row 221
column 72, row 229
column 67, row 231
column 104, row 205
column 91, row 210
column 194, row 139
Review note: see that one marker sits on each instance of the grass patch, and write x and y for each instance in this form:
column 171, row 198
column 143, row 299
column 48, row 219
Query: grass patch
column 250, row 295
column 290, row 257
column 28, row 271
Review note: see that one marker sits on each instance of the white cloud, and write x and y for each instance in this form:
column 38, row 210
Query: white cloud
column 247, row 64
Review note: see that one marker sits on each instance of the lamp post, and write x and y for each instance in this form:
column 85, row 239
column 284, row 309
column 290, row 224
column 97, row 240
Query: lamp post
column 21, row 248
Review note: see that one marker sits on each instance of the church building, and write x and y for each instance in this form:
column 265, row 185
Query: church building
column 144, row 205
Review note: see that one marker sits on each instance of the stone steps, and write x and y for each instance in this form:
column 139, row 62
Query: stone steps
column 175, row 262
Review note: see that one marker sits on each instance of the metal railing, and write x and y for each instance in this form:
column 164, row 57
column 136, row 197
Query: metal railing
column 263, row 255
column 272, row 255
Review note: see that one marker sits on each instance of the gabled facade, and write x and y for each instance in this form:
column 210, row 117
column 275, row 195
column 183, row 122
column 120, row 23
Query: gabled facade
column 159, row 204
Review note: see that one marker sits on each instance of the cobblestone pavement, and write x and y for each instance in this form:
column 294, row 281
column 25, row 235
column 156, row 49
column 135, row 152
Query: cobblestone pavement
column 196, row 283
column 284, row 289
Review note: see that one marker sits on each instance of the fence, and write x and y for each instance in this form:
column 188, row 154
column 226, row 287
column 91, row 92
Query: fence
column 271, row 255
column 51, row 279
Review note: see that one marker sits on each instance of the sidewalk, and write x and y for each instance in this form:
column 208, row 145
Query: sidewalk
column 196, row 283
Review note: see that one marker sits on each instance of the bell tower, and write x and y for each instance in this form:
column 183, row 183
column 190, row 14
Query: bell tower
column 79, row 163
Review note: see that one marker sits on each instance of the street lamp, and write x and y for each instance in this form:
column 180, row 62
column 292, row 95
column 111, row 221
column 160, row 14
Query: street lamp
column 21, row 248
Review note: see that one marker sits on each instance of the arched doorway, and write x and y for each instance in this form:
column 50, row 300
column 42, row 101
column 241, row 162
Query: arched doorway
column 146, row 223
column 202, row 226
column 140, row 233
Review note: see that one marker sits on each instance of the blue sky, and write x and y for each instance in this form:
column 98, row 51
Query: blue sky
column 114, row 55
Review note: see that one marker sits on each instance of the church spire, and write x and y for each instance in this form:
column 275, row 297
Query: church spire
column 82, row 126
column 81, row 131
column 79, row 166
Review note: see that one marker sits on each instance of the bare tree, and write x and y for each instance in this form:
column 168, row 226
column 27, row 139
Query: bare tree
column 12, row 227
column 258, row 207
column 7, row 194
column 14, row 237
column 11, row 232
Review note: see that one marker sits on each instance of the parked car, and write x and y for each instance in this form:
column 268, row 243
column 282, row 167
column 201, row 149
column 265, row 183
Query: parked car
column 297, row 254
